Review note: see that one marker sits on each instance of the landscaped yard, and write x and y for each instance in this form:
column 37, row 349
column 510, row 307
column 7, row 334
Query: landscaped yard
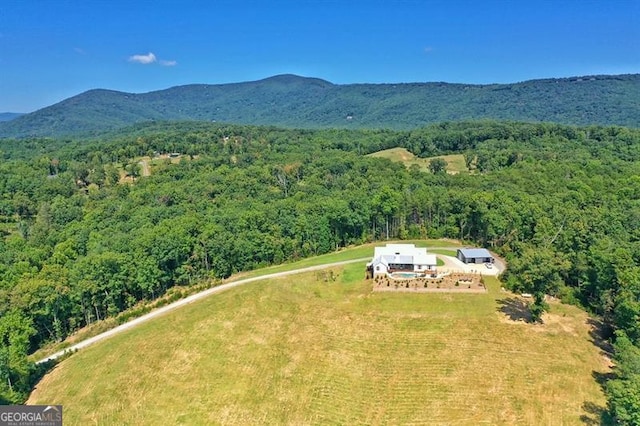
column 309, row 349
column 458, row 282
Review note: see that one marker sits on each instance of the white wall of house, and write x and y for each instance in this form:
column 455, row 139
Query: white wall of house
column 422, row 268
column 379, row 268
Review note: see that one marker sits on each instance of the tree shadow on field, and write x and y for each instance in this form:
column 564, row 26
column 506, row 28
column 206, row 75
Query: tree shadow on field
column 515, row 309
column 43, row 368
column 596, row 415
column 601, row 334
column 603, row 378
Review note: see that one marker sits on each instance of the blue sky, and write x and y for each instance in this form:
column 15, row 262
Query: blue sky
column 54, row 49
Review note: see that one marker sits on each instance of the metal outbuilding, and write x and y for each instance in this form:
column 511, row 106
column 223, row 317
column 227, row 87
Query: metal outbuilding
column 475, row 255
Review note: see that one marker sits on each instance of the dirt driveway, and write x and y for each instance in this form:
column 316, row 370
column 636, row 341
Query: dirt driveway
column 452, row 264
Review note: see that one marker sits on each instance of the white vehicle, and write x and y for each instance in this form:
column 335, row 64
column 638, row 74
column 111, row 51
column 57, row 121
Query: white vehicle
column 488, row 265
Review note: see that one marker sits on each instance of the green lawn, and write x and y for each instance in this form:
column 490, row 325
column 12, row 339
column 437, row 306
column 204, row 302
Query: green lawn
column 299, row 350
column 455, row 162
column 445, row 252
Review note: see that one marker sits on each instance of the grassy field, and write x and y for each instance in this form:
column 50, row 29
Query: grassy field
column 455, row 162
column 299, row 350
column 350, row 253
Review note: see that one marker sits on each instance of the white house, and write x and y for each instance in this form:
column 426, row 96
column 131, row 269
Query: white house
column 401, row 257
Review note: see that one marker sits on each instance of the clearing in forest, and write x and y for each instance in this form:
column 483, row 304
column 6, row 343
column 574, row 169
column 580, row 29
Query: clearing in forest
column 323, row 348
column 455, row 162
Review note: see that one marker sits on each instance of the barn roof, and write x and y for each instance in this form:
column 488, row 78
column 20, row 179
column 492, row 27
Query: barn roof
column 475, row 252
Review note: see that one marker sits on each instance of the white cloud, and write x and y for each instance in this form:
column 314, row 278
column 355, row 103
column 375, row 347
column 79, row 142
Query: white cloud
column 149, row 58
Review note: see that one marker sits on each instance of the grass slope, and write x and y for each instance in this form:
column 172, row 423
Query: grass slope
column 300, row 350
column 455, row 162
column 350, row 253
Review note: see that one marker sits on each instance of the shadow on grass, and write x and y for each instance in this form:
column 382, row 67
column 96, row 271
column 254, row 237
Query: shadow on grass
column 603, row 378
column 596, row 415
column 43, row 368
column 515, row 309
column 601, row 334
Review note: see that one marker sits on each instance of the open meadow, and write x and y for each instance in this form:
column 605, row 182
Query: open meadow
column 307, row 350
column 455, row 162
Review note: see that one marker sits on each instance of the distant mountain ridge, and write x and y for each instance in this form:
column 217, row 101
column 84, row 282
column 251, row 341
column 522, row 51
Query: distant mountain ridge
column 8, row 116
column 294, row 101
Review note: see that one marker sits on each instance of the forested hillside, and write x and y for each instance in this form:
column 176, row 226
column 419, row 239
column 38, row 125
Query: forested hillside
column 299, row 102
column 81, row 241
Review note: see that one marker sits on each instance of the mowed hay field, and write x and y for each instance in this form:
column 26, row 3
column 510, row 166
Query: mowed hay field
column 455, row 162
column 299, row 350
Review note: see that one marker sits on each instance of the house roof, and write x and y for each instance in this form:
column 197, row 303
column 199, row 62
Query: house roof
column 398, row 259
column 405, row 254
column 429, row 259
column 475, row 252
column 396, row 249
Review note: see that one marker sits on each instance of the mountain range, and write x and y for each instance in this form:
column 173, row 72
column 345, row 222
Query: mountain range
column 294, row 101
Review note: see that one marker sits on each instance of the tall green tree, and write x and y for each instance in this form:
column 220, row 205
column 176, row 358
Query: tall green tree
column 538, row 271
column 16, row 330
column 438, row 165
column 623, row 392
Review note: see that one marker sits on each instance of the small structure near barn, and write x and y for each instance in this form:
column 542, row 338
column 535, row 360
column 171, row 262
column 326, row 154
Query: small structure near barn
column 401, row 258
column 475, row 255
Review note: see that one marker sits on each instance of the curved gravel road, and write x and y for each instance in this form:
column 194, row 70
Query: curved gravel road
column 452, row 262
column 186, row 301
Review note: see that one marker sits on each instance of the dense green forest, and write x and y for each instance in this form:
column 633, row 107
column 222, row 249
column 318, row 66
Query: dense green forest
column 79, row 243
column 299, row 102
